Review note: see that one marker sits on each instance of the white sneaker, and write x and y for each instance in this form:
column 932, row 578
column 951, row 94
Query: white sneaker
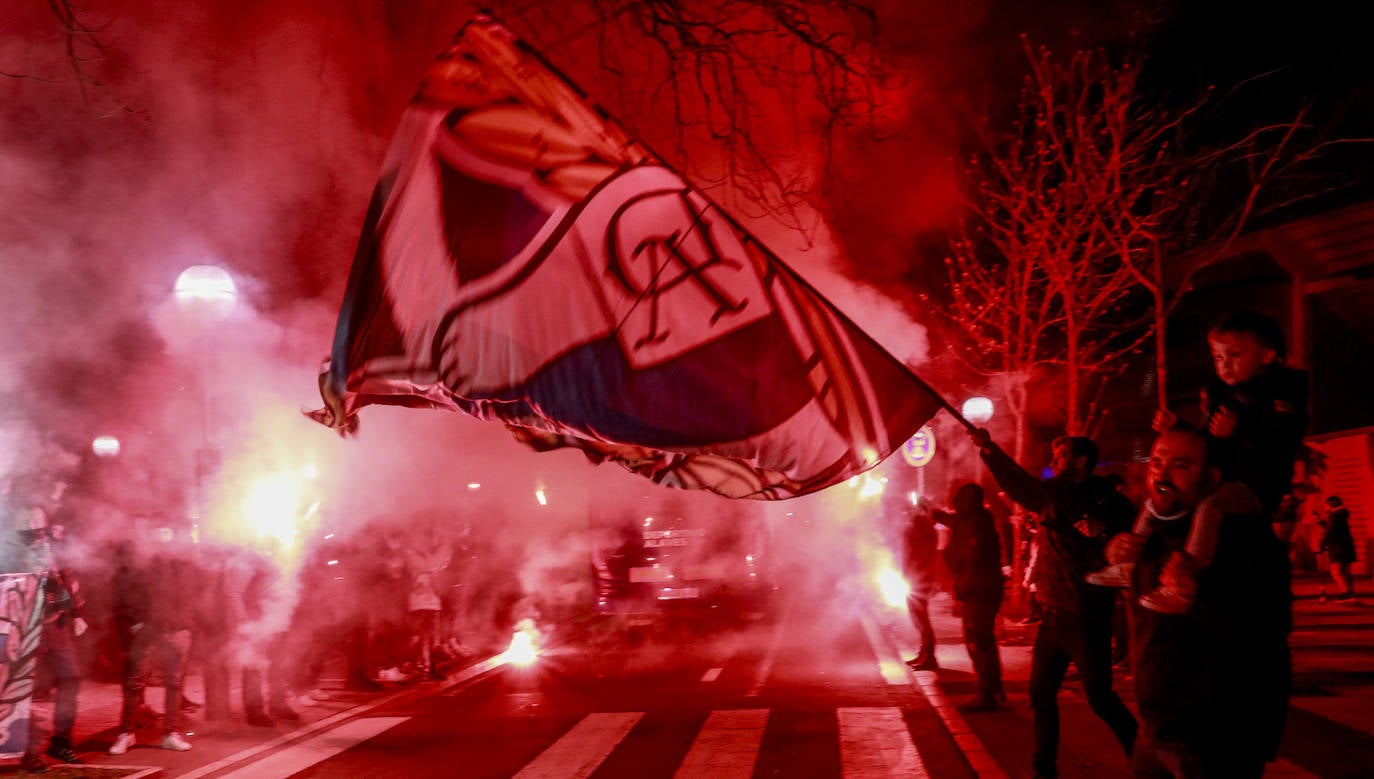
column 175, row 742
column 1117, row 575
column 390, row 675
column 122, row 743
column 1165, row 601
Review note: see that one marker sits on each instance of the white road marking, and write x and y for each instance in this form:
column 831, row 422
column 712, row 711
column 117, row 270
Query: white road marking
column 891, row 666
column 458, row 679
column 875, row 742
column 726, row 747
column 578, row 753
column 979, row 759
column 711, row 675
column 298, row 757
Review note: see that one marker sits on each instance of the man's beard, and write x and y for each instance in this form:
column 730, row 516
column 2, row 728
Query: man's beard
column 1163, row 500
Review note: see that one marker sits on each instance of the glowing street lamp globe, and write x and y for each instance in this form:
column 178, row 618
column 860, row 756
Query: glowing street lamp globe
column 105, row 446
column 207, row 289
column 977, row 410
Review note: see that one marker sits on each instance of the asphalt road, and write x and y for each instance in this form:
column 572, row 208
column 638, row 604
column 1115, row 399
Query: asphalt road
column 817, row 690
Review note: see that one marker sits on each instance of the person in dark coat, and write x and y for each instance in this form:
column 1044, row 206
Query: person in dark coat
column 920, row 556
column 975, row 561
column 154, row 605
column 1212, row 684
column 1079, row 511
column 1339, row 545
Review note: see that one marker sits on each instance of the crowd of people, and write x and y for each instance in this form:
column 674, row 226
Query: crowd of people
column 1198, row 566
column 1201, row 568
column 386, row 604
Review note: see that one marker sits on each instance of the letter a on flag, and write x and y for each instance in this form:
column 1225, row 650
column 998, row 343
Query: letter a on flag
column 524, row 261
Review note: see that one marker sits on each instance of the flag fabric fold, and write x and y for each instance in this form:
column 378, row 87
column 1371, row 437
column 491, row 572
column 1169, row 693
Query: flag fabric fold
column 526, row 262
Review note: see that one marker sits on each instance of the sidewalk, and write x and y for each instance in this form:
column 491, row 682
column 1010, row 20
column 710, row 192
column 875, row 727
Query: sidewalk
column 1329, row 649
column 216, row 744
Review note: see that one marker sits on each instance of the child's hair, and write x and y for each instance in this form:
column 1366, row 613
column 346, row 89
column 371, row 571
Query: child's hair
column 1079, row 446
column 1261, row 327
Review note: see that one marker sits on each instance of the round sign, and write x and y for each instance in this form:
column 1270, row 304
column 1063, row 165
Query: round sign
column 919, row 450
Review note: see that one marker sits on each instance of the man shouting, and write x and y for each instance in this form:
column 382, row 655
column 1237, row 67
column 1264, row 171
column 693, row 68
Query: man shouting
column 1212, row 683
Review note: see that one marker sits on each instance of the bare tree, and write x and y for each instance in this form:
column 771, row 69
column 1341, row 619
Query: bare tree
column 1038, row 284
column 749, row 95
column 1094, row 213
column 1184, row 209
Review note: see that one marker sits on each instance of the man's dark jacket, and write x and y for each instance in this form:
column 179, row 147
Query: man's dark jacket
column 1064, row 555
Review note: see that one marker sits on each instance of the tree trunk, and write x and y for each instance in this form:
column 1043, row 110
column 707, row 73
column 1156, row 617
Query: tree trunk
column 1161, row 349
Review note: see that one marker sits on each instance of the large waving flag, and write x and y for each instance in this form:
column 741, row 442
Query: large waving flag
column 524, row 261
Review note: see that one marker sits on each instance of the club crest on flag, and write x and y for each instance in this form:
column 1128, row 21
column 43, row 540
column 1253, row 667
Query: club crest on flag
column 524, row 261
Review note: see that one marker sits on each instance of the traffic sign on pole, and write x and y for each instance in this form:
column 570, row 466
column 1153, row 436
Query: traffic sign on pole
column 919, row 450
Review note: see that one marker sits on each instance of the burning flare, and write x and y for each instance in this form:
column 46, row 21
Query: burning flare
column 524, row 645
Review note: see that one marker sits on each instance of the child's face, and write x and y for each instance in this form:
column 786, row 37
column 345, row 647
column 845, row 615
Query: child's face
column 1238, row 356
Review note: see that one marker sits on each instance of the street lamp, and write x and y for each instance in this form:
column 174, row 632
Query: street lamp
column 105, row 446
column 977, row 410
column 206, row 291
column 206, row 294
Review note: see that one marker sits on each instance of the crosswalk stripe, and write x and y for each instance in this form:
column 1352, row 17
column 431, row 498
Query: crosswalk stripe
column 875, row 742
column 297, row 758
column 727, row 746
column 891, row 667
column 578, row 753
column 979, row 759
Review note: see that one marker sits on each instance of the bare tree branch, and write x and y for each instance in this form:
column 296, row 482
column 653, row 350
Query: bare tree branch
column 84, row 49
column 717, row 65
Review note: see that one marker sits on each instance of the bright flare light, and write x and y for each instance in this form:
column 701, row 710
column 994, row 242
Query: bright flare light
column 870, row 487
column 892, row 586
column 273, row 507
column 105, row 446
column 541, row 497
column 524, row 648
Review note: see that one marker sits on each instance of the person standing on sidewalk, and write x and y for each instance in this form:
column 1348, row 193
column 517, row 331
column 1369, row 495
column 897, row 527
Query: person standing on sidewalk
column 254, row 589
column 920, row 555
column 975, row 561
column 425, row 559
column 1079, row 511
column 62, row 625
column 154, row 605
column 1339, row 546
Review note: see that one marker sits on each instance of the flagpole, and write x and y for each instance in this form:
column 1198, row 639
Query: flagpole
column 844, row 318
